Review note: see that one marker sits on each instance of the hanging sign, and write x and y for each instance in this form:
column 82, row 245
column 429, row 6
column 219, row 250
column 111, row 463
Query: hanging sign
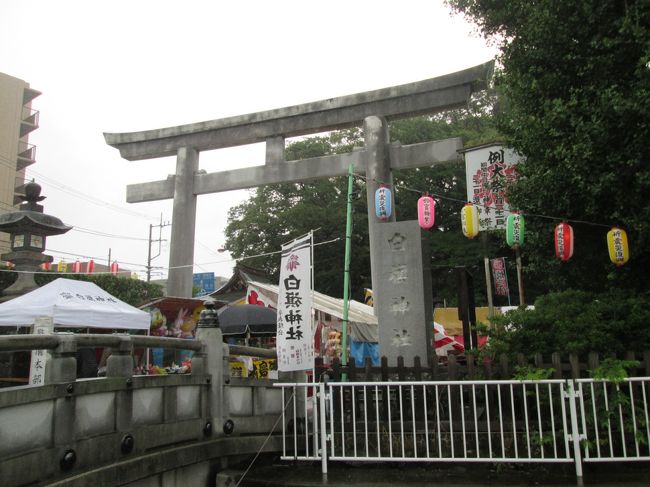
column 515, row 230
column 617, row 245
column 500, row 276
column 469, row 220
column 294, row 343
column 563, row 238
column 426, row 211
column 489, row 170
column 383, row 202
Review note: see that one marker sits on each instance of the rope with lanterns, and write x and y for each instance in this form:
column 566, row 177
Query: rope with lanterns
column 617, row 242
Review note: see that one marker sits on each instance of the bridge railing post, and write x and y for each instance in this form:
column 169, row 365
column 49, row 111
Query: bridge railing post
column 62, row 366
column 120, row 362
column 215, row 364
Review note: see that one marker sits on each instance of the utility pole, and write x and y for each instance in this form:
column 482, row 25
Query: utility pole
column 159, row 240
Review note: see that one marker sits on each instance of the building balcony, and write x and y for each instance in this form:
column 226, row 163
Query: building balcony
column 29, row 94
column 29, row 122
column 26, row 157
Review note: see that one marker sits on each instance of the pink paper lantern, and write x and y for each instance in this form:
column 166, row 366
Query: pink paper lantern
column 426, row 211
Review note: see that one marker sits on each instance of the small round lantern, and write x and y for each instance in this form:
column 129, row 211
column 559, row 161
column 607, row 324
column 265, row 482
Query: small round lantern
column 76, row 267
column 617, row 245
column 469, row 220
column 115, row 267
column 383, row 201
column 90, row 267
column 426, row 211
column 515, row 230
column 563, row 237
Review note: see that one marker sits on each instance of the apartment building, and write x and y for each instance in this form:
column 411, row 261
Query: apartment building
column 17, row 120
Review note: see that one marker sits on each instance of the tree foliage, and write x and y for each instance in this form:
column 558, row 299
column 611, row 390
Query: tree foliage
column 574, row 82
column 276, row 214
column 574, row 322
column 131, row 291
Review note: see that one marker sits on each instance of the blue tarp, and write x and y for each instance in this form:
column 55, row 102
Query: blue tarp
column 360, row 350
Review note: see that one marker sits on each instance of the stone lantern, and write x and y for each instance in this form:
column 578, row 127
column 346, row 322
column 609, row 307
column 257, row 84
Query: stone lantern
column 28, row 227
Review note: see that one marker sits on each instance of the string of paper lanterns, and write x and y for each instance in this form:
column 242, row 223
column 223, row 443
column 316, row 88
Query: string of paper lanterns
column 563, row 239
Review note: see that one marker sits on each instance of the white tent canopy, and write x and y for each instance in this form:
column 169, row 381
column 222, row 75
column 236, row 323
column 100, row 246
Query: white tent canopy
column 360, row 316
column 73, row 304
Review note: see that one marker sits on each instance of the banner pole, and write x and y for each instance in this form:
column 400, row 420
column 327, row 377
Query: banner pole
column 488, row 276
column 346, row 277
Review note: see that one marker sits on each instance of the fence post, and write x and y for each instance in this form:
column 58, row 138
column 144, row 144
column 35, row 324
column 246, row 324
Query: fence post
column 575, row 433
column 323, row 429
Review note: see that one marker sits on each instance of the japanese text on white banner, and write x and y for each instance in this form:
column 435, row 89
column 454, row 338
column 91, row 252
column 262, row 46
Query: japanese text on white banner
column 295, row 345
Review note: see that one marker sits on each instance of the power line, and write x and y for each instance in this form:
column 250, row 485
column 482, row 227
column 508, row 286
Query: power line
column 73, row 192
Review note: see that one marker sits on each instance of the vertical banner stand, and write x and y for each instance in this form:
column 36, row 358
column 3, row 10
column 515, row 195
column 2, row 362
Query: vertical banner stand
column 346, row 277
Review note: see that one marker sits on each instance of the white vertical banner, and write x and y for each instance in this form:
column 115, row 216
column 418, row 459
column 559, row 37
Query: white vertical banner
column 43, row 325
column 295, row 345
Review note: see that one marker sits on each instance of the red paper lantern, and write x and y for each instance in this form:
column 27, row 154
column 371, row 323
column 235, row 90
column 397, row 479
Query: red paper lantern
column 76, row 267
column 46, row 266
column 115, row 268
column 426, row 211
column 90, row 267
column 563, row 241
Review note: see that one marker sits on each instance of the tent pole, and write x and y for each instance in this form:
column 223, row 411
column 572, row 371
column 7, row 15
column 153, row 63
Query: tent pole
column 346, row 277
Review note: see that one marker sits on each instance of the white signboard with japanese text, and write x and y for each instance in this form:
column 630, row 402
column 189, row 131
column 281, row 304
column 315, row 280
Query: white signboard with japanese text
column 295, row 346
column 489, row 170
column 42, row 326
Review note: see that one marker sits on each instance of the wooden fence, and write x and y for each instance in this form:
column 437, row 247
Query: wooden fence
column 467, row 367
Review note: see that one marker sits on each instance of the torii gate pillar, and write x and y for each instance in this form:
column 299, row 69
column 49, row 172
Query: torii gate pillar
column 179, row 280
column 378, row 171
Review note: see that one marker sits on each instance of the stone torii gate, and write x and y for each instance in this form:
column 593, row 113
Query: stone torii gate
column 372, row 109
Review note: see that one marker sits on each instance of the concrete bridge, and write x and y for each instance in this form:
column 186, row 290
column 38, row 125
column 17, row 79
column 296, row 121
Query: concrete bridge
column 133, row 430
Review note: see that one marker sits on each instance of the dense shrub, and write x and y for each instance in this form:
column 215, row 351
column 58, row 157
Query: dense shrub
column 575, row 322
column 131, row 291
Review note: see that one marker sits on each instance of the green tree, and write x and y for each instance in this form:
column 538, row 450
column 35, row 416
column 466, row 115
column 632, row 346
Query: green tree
column 574, row 322
column 574, row 81
column 131, row 291
column 276, row 214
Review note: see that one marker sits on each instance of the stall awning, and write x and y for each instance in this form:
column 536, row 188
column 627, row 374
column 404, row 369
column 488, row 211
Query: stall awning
column 73, row 304
column 363, row 322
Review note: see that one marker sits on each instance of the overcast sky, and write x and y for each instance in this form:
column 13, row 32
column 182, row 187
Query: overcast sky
column 127, row 65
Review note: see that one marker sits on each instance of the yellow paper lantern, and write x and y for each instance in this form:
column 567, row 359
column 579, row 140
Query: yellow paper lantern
column 617, row 244
column 469, row 220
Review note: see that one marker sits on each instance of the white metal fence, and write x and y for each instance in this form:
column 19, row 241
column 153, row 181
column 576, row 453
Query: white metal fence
column 561, row 421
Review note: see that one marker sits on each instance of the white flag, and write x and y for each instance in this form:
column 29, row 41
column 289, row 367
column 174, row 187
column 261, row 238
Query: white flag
column 295, row 346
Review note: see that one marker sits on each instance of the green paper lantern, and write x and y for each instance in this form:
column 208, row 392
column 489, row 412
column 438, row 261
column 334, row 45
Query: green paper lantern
column 515, row 231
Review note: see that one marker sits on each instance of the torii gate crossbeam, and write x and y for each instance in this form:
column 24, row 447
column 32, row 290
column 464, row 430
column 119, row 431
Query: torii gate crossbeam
column 371, row 108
